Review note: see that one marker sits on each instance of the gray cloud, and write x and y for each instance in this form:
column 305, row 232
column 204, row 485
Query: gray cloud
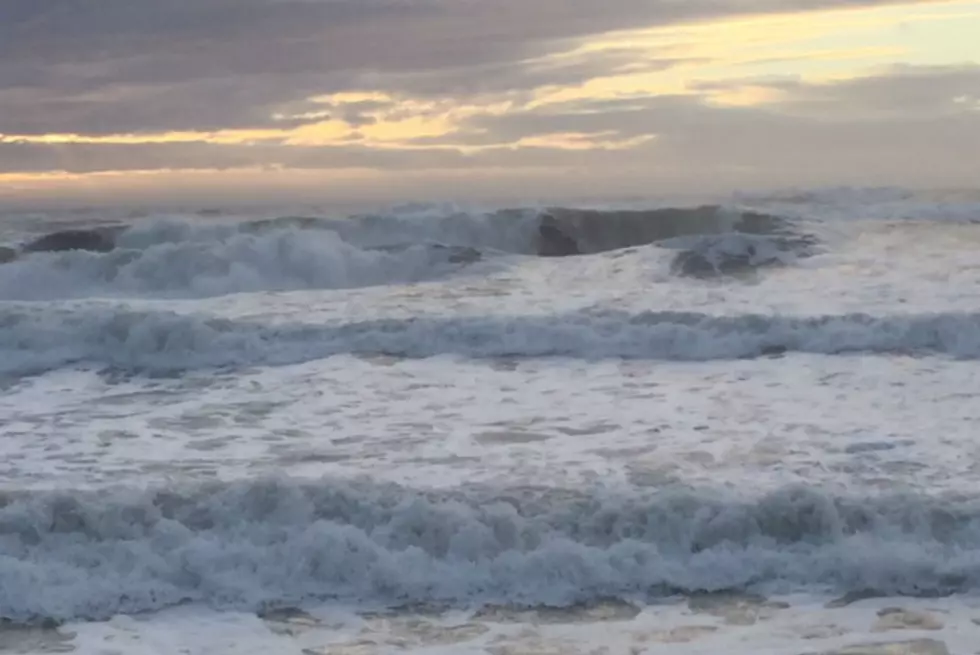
column 900, row 92
column 97, row 66
column 917, row 97
column 281, row 36
column 905, row 91
column 696, row 144
column 622, row 118
column 519, row 76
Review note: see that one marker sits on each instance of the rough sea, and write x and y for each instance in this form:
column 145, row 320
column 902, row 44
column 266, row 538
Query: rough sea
column 745, row 427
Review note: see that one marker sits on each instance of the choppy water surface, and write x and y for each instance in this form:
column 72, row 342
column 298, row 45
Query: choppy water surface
column 506, row 431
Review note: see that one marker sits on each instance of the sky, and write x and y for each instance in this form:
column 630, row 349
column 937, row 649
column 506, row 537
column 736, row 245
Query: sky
column 392, row 100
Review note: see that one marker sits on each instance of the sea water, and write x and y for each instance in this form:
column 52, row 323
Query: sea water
column 407, row 432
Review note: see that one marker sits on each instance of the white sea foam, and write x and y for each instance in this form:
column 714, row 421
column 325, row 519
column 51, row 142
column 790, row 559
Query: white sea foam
column 172, row 257
column 199, row 266
column 36, row 339
column 702, row 625
column 492, row 476
column 712, row 255
column 249, row 544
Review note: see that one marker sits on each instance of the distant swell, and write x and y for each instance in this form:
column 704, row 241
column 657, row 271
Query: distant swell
column 248, row 545
column 35, row 338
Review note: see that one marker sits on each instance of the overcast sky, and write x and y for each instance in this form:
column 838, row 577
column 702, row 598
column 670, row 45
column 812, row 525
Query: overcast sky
column 454, row 99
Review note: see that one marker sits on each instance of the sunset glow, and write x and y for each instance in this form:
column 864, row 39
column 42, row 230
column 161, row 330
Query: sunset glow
column 635, row 90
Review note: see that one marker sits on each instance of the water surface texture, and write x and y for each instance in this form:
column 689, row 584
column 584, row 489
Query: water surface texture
column 749, row 426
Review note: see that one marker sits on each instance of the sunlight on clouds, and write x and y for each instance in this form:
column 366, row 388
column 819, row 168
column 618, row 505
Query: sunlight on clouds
column 391, row 121
column 581, row 141
column 810, row 47
column 353, row 97
column 408, row 128
column 224, row 137
column 394, row 125
column 326, row 132
column 744, row 96
column 724, row 63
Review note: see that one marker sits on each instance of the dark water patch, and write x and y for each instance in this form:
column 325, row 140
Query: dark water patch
column 556, row 231
column 36, row 637
column 100, row 238
column 739, row 255
column 95, row 240
column 452, row 254
column 579, row 231
column 510, row 437
column 713, row 241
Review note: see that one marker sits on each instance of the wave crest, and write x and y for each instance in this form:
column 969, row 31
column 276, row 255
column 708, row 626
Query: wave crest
column 248, row 545
column 209, row 257
column 280, row 260
column 35, row 339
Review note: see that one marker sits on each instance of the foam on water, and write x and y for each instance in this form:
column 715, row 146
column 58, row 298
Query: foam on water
column 168, row 257
column 790, row 411
column 445, row 423
column 37, row 339
column 239, row 262
column 701, row 625
column 245, row 545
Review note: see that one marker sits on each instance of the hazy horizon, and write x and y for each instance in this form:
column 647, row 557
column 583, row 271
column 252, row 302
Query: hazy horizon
column 214, row 102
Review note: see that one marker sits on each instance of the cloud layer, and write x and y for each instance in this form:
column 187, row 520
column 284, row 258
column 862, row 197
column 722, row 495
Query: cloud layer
column 673, row 88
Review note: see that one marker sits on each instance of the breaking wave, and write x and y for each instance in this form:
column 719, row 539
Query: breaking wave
column 705, row 256
column 252, row 545
column 240, row 262
column 209, row 257
column 34, row 339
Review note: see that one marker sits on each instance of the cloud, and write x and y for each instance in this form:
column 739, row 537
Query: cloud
column 140, row 66
column 437, row 97
column 900, row 92
column 671, row 139
column 912, row 96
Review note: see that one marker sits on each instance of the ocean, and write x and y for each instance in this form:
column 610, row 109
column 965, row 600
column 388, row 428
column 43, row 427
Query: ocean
column 748, row 426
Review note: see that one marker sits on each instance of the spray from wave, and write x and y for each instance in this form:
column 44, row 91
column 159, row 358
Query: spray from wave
column 239, row 262
column 202, row 258
column 251, row 545
column 35, row 339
